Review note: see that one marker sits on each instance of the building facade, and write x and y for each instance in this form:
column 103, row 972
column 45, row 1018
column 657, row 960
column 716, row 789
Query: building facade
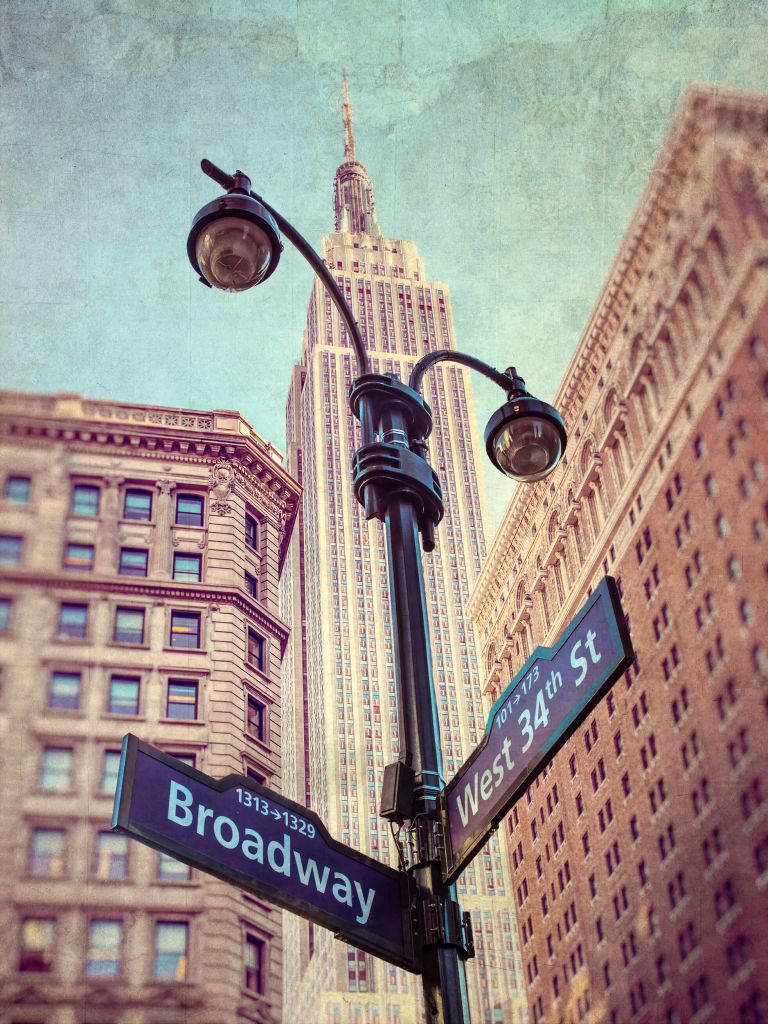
column 640, row 855
column 140, row 550
column 339, row 674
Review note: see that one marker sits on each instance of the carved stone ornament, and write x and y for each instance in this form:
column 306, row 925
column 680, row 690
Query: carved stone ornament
column 221, row 482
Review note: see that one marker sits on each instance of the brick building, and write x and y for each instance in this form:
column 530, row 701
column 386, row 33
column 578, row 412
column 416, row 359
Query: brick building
column 640, row 855
column 140, row 550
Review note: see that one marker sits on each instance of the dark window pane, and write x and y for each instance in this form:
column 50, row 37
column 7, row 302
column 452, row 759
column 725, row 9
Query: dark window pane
column 17, row 489
column 187, row 568
column 171, row 870
column 189, row 510
column 257, row 720
column 137, row 505
column 56, row 769
column 251, row 532
column 111, row 856
column 255, row 654
column 129, row 625
column 73, row 620
column 182, row 699
column 171, row 950
column 123, row 695
column 105, row 939
column 65, row 690
column 110, row 768
column 254, row 963
column 46, row 854
column 36, row 953
column 10, row 550
column 133, row 562
column 185, row 630
column 85, row 500
column 78, row 556
column 5, row 614
column 251, row 585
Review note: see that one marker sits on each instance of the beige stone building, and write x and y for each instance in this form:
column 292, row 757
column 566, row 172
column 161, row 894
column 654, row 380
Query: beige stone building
column 140, row 550
column 640, row 855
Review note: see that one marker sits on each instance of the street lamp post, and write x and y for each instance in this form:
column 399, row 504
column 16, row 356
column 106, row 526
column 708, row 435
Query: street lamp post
column 235, row 243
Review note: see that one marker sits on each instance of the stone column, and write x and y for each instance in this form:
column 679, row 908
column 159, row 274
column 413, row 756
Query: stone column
column 161, row 550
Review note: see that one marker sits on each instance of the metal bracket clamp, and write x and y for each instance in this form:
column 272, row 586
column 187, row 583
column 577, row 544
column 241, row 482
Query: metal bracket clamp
column 423, row 842
column 382, row 471
column 443, row 924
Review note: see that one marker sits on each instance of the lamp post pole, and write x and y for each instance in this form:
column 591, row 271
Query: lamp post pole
column 235, row 243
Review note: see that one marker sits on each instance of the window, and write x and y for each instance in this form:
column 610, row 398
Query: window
column 85, row 500
column 251, row 585
column 78, row 556
column 110, row 856
column 137, row 504
column 189, row 510
column 109, row 769
column 73, row 620
column 56, row 769
column 102, row 959
column 17, row 489
column 10, row 550
column 187, row 567
column 65, row 690
column 170, row 950
column 255, row 655
column 185, row 630
column 123, row 695
column 5, row 614
column 46, row 853
column 251, row 532
column 253, row 956
column 133, row 561
column 256, row 723
column 129, row 625
column 182, row 699
column 171, row 870
column 36, row 953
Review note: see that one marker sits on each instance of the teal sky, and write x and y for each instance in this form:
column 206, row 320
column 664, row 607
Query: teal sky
column 510, row 140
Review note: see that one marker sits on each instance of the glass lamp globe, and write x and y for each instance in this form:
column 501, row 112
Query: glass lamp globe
column 234, row 243
column 525, row 439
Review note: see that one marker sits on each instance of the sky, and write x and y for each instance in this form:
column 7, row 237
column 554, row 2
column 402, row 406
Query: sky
column 510, row 140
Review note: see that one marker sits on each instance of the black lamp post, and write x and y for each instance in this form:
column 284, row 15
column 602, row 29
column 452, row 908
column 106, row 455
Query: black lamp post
column 234, row 243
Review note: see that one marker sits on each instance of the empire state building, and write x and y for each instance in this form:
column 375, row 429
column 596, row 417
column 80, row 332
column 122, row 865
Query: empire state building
column 339, row 688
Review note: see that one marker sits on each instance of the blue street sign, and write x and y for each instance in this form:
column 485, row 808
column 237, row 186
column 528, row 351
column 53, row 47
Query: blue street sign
column 546, row 701
column 258, row 840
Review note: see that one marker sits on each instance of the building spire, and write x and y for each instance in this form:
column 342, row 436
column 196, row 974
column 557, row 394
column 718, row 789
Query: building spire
column 346, row 112
column 354, row 204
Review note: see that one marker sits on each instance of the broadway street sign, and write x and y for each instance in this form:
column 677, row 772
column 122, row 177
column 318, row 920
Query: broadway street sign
column 258, row 840
column 542, row 706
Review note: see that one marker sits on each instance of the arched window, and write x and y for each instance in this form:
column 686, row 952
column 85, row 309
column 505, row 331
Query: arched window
column 490, row 658
column 553, row 528
column 585, row 461
column 558, row 576
column 545, row 610
column 520, row 597
column 635, row 353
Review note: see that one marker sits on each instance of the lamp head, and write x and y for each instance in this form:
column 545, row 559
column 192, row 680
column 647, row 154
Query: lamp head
column 525, row 438
column 234, row 243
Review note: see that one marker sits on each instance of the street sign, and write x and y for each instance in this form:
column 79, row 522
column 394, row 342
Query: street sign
column 258, row 840
column 542, row 706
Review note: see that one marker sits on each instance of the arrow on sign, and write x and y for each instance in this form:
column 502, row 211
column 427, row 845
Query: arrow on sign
column 258, row 840
column 542, row 706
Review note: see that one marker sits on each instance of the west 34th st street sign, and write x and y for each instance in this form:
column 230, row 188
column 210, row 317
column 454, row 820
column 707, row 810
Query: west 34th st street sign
column 258, row 840
column 542, row 706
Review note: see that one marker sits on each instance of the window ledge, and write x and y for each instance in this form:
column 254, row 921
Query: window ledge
column 186, row 650
column 127, row 645
column 123, row 716
column 182, row 721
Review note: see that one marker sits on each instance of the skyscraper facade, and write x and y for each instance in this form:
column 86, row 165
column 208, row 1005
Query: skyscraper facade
column 339, row 677
column 640, row 855
column 140, row 549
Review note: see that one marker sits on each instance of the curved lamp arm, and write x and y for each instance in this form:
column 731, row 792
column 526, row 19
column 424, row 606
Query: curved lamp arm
column 230, row 181
column 509, row 381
